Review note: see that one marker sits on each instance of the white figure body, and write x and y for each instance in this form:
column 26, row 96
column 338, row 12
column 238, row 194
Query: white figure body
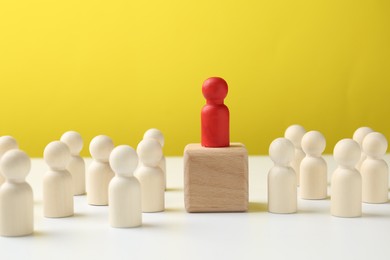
column 76, row 165
column 57, row 182
column 16, row 196
column 282, row 180
column 346, row 187
column 313, row 170
column 6, row 143
column 125, row 209
column 150, row 176
column 294, row 133
column 99, row 173
column 358, row 136
column 158, row 135
column 374, row 170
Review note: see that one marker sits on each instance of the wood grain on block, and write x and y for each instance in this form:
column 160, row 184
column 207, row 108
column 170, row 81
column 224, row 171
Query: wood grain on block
column 216, row 179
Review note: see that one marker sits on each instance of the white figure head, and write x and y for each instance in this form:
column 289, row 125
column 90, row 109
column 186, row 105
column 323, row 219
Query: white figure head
column 360, row 133
column 374, row 145
column 347, row 153
column 123, row 160
column 57, row 155
column 313, row 143
column 156, row 134
column 282, row 151
column 294, row 133
column 7, row 143
column 15, row 165
column 100, row 148
column 74, row 140
column 149, row 152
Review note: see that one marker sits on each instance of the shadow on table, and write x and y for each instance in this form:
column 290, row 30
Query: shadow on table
column 173, row 210
column 148, row 225
column 257, row 207
column 38, row 233
column 373, row 215
column 78, row 215
column 174, row 189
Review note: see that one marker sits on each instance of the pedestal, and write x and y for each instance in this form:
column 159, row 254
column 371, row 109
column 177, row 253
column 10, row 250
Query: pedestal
column 216, row 179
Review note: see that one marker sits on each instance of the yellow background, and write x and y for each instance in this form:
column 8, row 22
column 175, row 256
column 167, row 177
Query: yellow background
column 121, row 67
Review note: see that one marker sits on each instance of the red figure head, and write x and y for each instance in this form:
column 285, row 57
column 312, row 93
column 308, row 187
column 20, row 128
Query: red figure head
column 215, row 90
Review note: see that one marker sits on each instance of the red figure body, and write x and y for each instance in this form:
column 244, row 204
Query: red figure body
column 215, row 114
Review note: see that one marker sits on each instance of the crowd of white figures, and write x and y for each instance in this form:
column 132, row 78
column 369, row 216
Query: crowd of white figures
column 361, row 176
column 129, row 182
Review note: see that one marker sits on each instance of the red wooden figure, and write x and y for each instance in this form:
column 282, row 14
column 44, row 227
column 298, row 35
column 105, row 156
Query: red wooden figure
column 215, row 114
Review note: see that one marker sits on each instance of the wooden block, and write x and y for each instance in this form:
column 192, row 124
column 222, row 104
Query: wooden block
column 216, row 179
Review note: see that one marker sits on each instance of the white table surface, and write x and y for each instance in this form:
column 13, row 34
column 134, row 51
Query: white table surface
column 312, row 233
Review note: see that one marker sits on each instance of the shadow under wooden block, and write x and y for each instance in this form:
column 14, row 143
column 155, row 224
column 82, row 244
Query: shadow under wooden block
column 216, row 179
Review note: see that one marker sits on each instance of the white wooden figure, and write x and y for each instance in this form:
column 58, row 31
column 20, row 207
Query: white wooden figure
column 76, row 165
column 124, row 192
column 294, row 133
column 282, row 180
column 158, row 135
column 99, row 173
column 16, row 195
column 346, row 186
column 150, row 176
column 313, row 170
column 358, row 137
column 374, row 170
column 6, row 143
column 57, row 182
